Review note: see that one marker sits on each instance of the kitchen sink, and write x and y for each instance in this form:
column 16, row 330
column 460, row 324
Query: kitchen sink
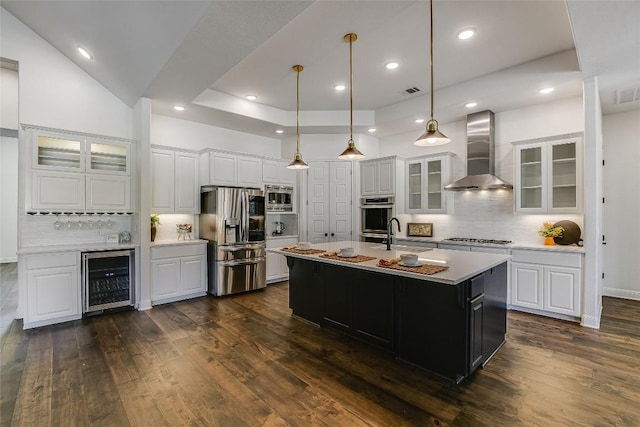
column 405, row 248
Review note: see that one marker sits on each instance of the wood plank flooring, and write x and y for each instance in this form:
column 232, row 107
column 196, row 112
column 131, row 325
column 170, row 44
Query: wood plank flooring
column 244, row 361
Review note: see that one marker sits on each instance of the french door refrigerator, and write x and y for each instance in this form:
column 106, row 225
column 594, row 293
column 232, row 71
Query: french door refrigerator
column 232, row 219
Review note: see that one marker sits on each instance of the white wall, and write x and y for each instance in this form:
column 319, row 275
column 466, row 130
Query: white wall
column 9, row 198
column 489, row 214
column 172, row 132
column 54, row 92
column 621, row 216
column 8, row 99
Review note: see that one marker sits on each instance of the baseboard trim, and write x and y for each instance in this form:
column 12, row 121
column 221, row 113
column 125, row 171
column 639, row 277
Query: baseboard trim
column 592, row 322
column 621, row 293
column 8, row 260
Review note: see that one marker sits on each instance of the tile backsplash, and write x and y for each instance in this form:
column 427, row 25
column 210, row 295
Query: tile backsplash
column 39, row 230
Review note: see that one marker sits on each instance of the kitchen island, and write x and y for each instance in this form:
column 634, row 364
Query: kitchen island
column 448, row 323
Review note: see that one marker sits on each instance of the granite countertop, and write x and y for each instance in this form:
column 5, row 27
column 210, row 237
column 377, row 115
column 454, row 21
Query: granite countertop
column 462, row 265
column 82, row 247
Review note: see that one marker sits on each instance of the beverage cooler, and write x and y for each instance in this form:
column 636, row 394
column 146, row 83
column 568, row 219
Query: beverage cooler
column 108, row 281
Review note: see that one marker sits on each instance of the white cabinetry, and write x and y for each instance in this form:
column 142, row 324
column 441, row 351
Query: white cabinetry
column 174, row 177
column 52, row 288
column 425, row 181
column 546, row 280
column 77, row 172
column 548, row 175
column 178, row 272
column 379, row 177
column 277, row 269
column 329, row 204
column 230, row 169
column 276, row 172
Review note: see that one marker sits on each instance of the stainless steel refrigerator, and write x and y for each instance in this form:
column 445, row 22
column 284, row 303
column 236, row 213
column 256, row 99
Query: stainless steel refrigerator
column 232, row 219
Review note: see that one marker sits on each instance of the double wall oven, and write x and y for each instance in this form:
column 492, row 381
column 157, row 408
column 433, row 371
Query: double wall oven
column 376, row 213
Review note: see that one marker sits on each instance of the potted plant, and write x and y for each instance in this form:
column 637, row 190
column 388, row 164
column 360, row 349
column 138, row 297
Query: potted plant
column 548, row 231
column 155, row 220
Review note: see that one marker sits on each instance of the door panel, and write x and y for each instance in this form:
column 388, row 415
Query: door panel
column 340, row 200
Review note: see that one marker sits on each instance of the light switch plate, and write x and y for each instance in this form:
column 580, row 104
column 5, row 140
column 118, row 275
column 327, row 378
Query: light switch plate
column 112, row 238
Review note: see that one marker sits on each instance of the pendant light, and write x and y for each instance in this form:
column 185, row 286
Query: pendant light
column 351, row 153
column 297, row 162
column 432, row 136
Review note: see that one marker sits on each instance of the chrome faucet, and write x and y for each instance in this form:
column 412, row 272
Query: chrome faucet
column 389, row 227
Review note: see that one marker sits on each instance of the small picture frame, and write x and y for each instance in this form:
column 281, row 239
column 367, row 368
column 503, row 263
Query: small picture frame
column 420, row 229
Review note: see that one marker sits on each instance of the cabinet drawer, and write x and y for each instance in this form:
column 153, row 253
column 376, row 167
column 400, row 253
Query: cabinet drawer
column 177, row 251
column 547, row 258
column 52, row 260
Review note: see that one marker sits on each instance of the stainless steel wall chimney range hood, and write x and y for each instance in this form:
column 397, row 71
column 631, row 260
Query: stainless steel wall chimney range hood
column 480, row 156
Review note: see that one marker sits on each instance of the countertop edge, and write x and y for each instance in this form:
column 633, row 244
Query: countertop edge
column 85, row 247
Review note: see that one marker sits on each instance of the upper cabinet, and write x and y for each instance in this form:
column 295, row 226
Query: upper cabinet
column 229, row 169
column 379, row 177
column 276, row 172
column 174, row 177
column 425, row 180
column 77, row 172
column 548, row 175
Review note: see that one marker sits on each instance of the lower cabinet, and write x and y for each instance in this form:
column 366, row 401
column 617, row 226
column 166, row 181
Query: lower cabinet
column 52, row 288
column 178, row 272
column 277, row 269
column 547, row 281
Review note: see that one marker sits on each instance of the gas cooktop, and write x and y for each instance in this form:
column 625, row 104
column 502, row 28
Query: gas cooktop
column 481, row 241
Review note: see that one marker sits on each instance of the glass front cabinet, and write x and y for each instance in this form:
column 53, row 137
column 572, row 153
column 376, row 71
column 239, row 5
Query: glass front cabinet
column 549, row 175
column 425, row 180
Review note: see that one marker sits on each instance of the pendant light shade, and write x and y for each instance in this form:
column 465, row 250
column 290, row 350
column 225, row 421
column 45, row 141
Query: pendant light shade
column 431, row 136
column 297, row 162
column 351, row 153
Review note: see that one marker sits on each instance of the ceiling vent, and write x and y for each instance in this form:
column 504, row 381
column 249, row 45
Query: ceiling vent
column 411, row 91
column 624, row 96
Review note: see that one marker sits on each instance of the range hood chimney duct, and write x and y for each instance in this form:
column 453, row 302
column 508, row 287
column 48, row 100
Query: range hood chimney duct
column 480, row 156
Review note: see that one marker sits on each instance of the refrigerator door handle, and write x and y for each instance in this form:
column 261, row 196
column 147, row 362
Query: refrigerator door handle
column 244, row 216
column 245, row 262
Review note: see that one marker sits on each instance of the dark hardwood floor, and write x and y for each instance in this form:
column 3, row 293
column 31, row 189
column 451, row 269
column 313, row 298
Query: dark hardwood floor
column 244, row 361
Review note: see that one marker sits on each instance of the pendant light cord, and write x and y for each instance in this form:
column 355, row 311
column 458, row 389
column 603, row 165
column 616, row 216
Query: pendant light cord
column 351, row 87
column 431, row 53
column 297, row 110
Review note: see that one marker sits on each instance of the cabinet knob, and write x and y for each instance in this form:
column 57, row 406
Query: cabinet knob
column 332, row 234
column 326, row 234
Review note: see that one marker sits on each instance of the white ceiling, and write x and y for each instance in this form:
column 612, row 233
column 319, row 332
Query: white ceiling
column 208, row 55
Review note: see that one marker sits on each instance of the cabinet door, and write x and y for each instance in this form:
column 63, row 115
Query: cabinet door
column 53, row 294
column 434, row 185
column 337, row 296
column 271, row 171
column 415, row 173
column 368, row 178
column 223, row 169
column 305, row 289
column 373, row 308
column 562, row 290
column 108, row 157
column 287, row 176
column 386, row 171
column 249, row 172
column 530, row 179
column 162, row 181
column 57, row 151
column 526, row 282
column 274, row 265
column 565, row 191
column 108, row 192
column 187, row 194
column 57, row 190
column 476, row 332
column 340, row 201
column 166, row 278
column 193, row 275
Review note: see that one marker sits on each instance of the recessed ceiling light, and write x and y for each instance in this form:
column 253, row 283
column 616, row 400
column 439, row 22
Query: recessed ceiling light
column 470, row 104
column 419, row 120
column 279, row 131
column 340, row 87
column 391, row 65
column 252, row 97
column 178, row 107
column 372, row 130
column 467, row 33
column 546, row 90
column 85, row 53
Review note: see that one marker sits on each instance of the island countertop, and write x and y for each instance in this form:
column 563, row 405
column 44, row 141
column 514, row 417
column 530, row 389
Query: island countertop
column 462, row 265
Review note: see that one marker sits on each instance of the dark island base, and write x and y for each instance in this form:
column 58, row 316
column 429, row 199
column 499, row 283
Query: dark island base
column 449, row 330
